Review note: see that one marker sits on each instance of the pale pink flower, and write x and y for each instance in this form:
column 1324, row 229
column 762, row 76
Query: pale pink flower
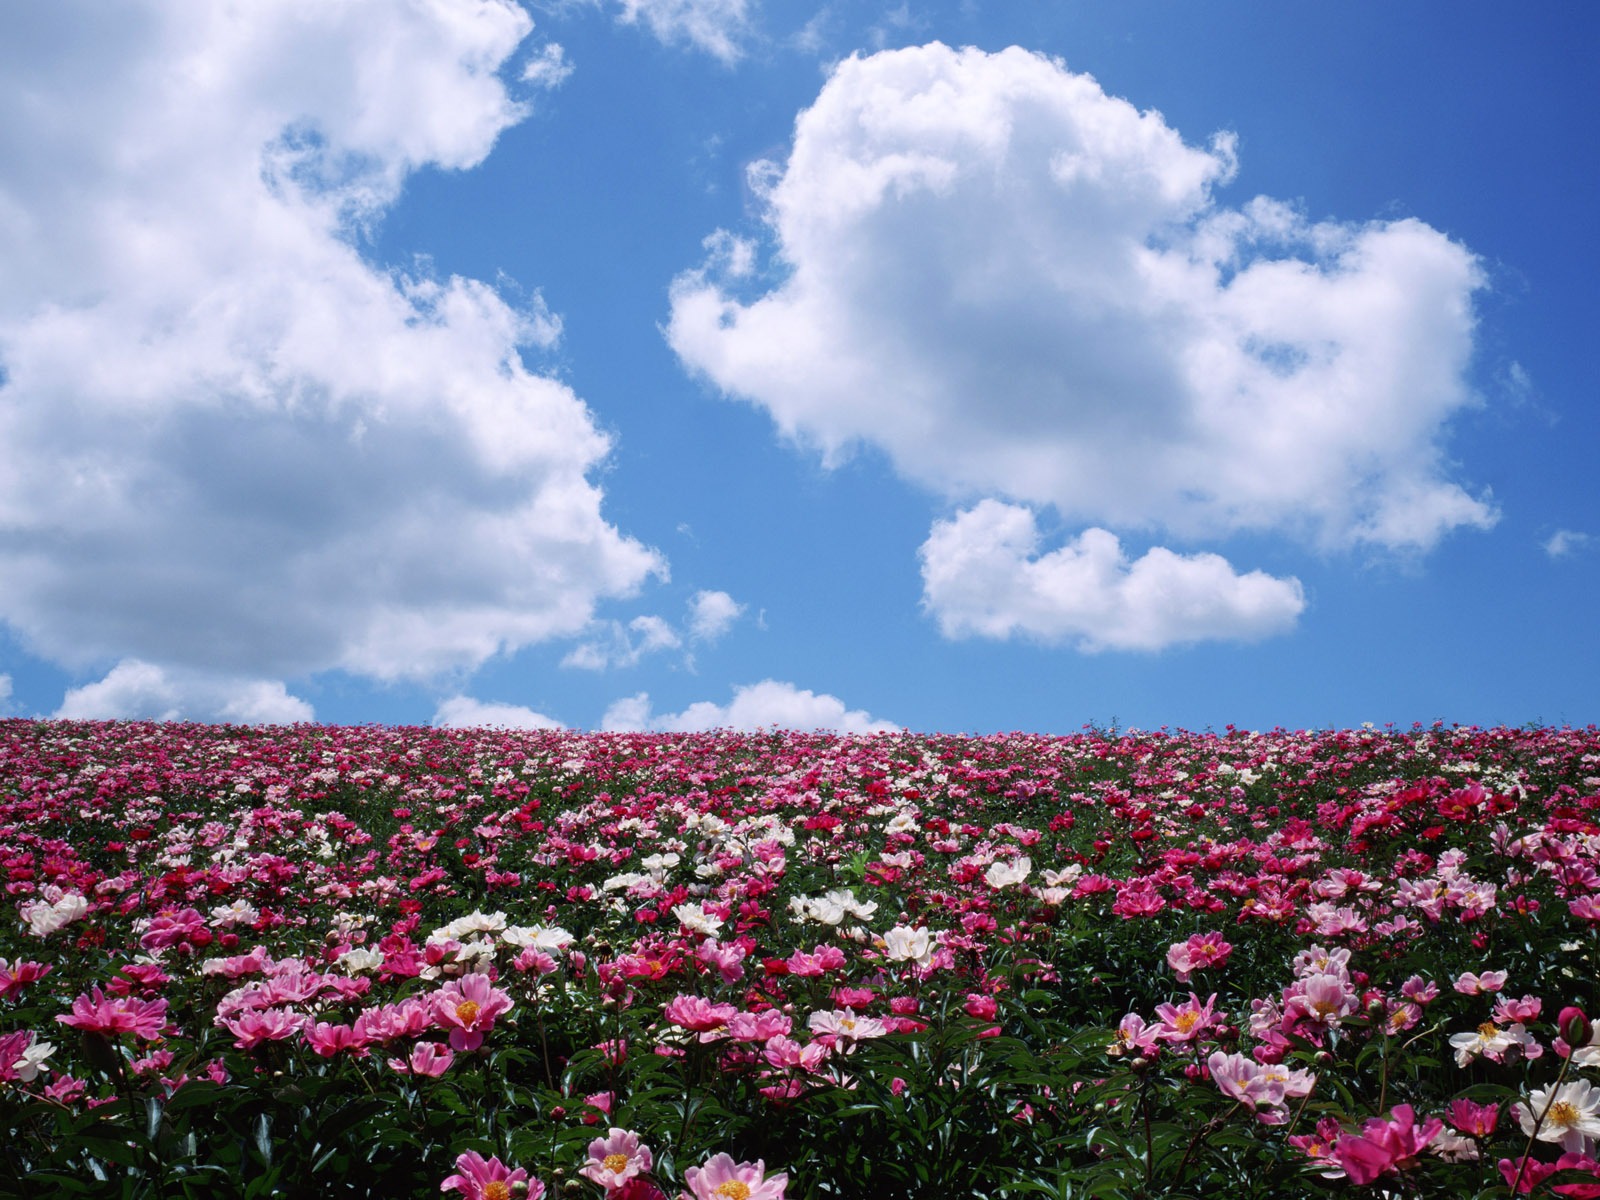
column 787, row 1054
column 1201, row 950
column 843, row 1026
column 727, row 958
column 1185, row 1022
column 615, row 1159
column 478, row 1178
column 723, row 1179
column 467, row 1007
column 98, row 1013
column 1136, row 1036
column 1469, row 984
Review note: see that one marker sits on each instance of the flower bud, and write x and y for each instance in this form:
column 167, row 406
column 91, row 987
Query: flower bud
column 1574, row 1025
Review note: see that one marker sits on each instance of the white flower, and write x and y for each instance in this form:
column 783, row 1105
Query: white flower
column 360, row 959
column 1006, row 874
column 696, row 918
column 44, row 918
column 552, row 939
column 905, row 944
column 240, row 912
column 33, row 1060
column 1569, row 1114
column 473, row 922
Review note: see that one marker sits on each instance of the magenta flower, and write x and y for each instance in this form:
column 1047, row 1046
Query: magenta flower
column 99, row 1013
column 699, row 1015
column 723, row 1179
column 1201, row 950
column 427, row 1058
column 1384, row 1146
column 468, row 1007
column 615, row 1159
column 15, row 976
column 478, row 1178
column 256, row 1025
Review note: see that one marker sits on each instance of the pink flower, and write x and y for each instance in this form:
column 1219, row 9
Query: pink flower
column 698, row 1014
column 1185, row 1022
column 723, row 1179
column 254, row 1026
column 488, row 1179
column 467, row 1007
column 427, row 1058
column 1469, row 984
column 615, row 1159
column 13, row 976
column 1201, row 950
column 97, row 1013
column 1384, row 1146
column 1478, row 1120
column 1134, row 1034
column 329, row 1039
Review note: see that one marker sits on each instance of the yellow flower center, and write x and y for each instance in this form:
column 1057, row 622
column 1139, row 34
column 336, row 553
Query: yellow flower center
column 467, row 1012
column 615, row 1163
column 1563, row 1114
column 1488, row 1030
column 1186, row 1021
column 496, row 1190
column 733, row 1189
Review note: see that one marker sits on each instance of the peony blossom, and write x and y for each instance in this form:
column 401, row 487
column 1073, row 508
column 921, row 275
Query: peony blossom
column 615, row 1159
column 1385, row 1146
column 723, row 1179
column 478, row 1178
column 467, row 1007
column 97, row 1013
column 1569, row 1114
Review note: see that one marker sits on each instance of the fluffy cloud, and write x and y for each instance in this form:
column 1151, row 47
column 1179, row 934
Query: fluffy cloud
column 1016, row 284
column 715, row 26
column 765, row 705
column 1564, row 542
column 5, row 693
column 140, row 690
column 463, row 712
column 623, row 645
column 613, row 644
column 227, row 442
column 712, row 614
column 983, row 576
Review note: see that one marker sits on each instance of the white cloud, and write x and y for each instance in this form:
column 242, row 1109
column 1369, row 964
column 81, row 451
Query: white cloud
column 145, row 691
column 1015, row 284
column 623, row 645
column 231, row 443
column 715, row 26
column 983, row 576
column 5, row 692
column 712, row 614
column 1564, row 542
column 769, row 704
column 463, row 712
column 549, row 68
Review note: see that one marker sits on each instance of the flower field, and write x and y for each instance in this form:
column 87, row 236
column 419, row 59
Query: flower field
column 402, row 962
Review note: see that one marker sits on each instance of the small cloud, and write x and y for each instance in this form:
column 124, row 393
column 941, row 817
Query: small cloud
column 770, row 704
column 5, row 693
column 463, row 712
column 712, row 614
column 983, row 576
column 549, row 68
column 715, row 26
column 618, row 645
column 1563, row 542
column 137, row 690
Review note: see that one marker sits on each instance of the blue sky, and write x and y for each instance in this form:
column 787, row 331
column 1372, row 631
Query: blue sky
column 687, row 363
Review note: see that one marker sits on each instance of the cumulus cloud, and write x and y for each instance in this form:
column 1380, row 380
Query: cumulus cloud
column 712, row 614
column 1017, row 285
column 983, row 576
column 620, row 645
column 715, row 26
column 463, row 712
column 1564, row 542
column 229, row 442
column 614, row 644
column 136, row 690
column 769, row 704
